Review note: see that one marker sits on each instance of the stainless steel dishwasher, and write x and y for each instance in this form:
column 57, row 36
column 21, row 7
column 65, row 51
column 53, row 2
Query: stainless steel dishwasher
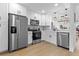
column 63, row 39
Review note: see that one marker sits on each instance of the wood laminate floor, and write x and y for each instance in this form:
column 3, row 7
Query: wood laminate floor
column 41, row 49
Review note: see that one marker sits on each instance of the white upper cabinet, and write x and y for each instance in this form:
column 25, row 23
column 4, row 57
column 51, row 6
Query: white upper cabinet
column 48, row 20
column 17, row 9
column 39, row 18
column 43, row 20
column 3, row 12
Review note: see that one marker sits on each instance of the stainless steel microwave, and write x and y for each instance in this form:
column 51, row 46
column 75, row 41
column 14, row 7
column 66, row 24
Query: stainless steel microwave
column 34, row 22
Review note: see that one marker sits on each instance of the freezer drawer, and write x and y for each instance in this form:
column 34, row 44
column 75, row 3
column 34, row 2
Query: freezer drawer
column 63, row 39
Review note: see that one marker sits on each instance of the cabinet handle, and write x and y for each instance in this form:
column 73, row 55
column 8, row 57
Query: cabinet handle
column 0, row 17
column 0, row 25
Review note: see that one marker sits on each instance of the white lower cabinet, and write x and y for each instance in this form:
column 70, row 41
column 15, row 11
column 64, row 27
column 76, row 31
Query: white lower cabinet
column 29, row 37
column 3, row 36
column 50, row 36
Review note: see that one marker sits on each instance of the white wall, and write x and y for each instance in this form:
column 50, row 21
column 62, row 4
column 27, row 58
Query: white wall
column 3, row 27
column 72, row 29
column 77, row 15
column 77, row 12
column 75, row 9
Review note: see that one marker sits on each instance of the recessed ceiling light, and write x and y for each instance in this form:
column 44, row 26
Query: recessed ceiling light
column 43, row 11
column 56, row 4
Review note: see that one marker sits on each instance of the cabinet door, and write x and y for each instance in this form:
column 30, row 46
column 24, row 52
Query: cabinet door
column 23, row 41
column 17, row 9
column 48, row 19
column 43, row 20
column 39, row 18
column 3, row 12
column 29, row 37
column 3, row 36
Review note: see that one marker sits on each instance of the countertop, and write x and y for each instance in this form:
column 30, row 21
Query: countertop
column 30, row 32
column 62, row 31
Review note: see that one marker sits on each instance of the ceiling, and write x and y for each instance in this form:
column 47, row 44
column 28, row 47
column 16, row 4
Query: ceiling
column 38, row 7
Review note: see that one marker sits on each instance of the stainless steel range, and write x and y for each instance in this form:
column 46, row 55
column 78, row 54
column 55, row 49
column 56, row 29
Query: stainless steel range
column 36, row 35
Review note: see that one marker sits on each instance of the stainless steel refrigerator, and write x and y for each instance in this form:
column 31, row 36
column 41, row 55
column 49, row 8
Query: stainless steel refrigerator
column 17, row 32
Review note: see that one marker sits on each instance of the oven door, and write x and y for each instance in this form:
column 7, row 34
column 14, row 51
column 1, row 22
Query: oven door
column 36, row 35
